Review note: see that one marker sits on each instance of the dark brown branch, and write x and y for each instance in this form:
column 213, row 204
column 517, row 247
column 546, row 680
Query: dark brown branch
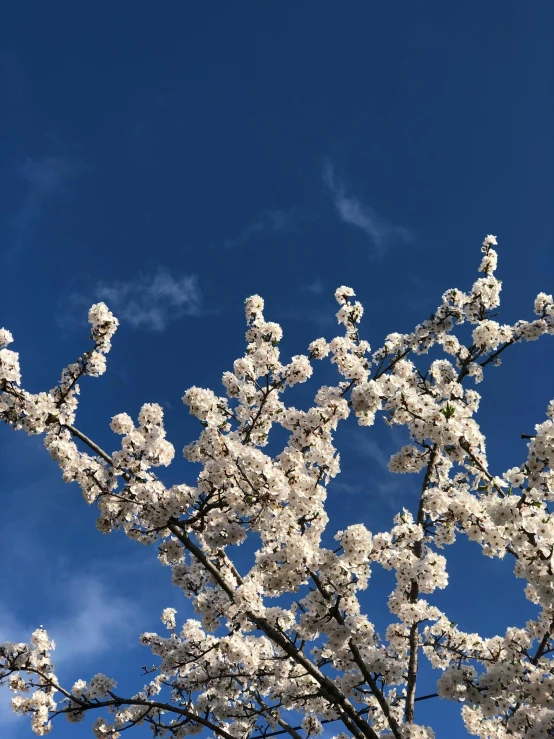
column 360, row 662
column 413, row 596
column 425, row 697
column 85, row 705
column 95, row 448
column 542, row 646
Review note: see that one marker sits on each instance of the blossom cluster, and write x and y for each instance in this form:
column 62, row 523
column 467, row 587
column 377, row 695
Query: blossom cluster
column 319, row 656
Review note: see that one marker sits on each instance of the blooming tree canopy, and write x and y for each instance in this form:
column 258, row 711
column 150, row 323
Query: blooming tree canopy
column 245, row 662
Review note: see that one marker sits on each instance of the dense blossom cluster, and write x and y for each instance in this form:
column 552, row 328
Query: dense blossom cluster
column 321, row 656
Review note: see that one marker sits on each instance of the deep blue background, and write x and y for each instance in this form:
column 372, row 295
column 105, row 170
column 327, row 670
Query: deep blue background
column 221, row 140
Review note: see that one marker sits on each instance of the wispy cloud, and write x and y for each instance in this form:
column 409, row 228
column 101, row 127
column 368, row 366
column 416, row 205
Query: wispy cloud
column 370, row 449
column 340, row 486
column 315, row 287
column 393, row 492
column 17, row 724
column 44, row 179
column 324, row 319
column 147, row 302
column 267, row 220
column 352, row 211
column 393, row 489
column 310, row 306
column 97, row 620
column 94, row 622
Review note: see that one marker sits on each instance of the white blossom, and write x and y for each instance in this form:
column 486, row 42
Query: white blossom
column 248, row 658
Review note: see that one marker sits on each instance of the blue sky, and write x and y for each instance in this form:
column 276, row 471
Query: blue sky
column 172, row 159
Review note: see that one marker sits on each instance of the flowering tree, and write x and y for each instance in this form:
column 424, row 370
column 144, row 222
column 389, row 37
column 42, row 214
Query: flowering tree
column 237, row 669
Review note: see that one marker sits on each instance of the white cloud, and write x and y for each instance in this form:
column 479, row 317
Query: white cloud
column 393, row 491
column 46, row 176
column 267, row 220
column 10, row 628
column 369, row 449
column 339, row 486
column 95, row 620
column 8, row 718
column 316, row 287
column 324, row 319
column 147, row 302
column 392, row 488
column 352, row 211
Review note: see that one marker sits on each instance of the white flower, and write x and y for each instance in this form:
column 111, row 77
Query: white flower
column 243, row 644
column 5, row 337
column 99, row 685
column 342, row 293
column 490, row 240
column 543, row 304
column 122, row 424
column 168, row 617
column 319, row 349
column 312, row 725
column 9, row 366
